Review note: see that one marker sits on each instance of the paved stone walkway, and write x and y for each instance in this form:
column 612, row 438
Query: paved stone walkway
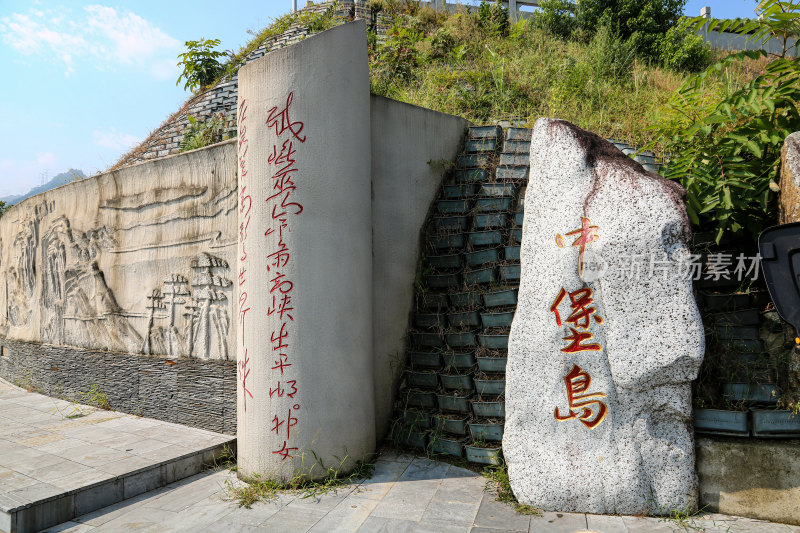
column 405, row 494
column 60, row 459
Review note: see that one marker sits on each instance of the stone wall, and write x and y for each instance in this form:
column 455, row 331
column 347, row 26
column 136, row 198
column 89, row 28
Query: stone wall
column 138, row 260
column 187, row 391
column 221, row 99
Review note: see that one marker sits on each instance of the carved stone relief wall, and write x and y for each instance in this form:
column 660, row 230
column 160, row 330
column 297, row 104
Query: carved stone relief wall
column 136, row 260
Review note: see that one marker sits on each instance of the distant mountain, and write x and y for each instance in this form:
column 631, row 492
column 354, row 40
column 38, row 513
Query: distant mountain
column 65, row 177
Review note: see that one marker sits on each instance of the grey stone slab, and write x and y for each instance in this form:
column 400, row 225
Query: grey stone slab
column 58, row 445
column 645, row 525
column 127, row 443
column 127, row 465
column 494, row 514
column 200, row 515
column 383, row 479
column 107, row 514
column 68, row 527
column 323, row 502
column 294, row 520
column 139, row 519
column 375, row 524
column 439, row 526
column 93, row 454
column 407, row 500
column 63, row 468
column 491, row 530
column 182, row 468
column 26, row 460
column 170, row 452
column 424, row 469
column 258, row 513
column 347, row 517
column 12, row 480
column 558, row 523
column 461, row 489
column 452, row 512
column 82, row 479
column 34, row 493
column 606, row 524
column 194, row 489
column 98, row 496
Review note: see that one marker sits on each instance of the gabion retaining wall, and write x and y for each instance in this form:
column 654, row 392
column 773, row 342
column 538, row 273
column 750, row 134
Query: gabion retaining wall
column 193, row 392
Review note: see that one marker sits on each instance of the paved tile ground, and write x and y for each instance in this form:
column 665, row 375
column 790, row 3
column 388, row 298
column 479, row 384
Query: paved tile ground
column 45, row 450
column 405, row 494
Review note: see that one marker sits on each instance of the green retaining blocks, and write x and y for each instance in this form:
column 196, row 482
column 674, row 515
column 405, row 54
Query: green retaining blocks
column 514, row 159
column 492, row 364
column 425, row 359
column 459, row 382
column 480, row 145
column 489, row 221
column 421, row 379
column 497, row 320
column 511, row 253
column 483, row 455
column 483, row 205
column 515, row 235
column 454, row 192
column 482, row 276
column 481, row 160
column 450, row 224
column 460, row 360
column 420, row 398
column 486, row 431
column 519, row 218
column 500, row 298
column 448, row 446
column 454, row 207
column 454, row 403
column 489, row 409
column 519, row 134
column 455, row 424
column 461, row 319
column 447, row 242
column 473, row 175
column 461, row 340
column 482, row 257
column 494, row 342
column 515, row 173
column 485, row 132
column 431, row 300
column 490, row 387
column 430, row 320
column 443, row 262
column 430, row 340
column 470, row 299
column 485, row 238
column 517, row 147
column 498, row 189
column 510, row 273
column 442, row 281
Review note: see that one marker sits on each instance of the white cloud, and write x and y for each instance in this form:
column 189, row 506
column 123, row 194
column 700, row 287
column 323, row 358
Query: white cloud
column 109, row 37
column 116, row 140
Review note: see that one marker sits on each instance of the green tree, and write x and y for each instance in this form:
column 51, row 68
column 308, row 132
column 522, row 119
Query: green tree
column 643, row 22
column 556, row 17
column 201, row 64
column 724, row 143
column 4, row 207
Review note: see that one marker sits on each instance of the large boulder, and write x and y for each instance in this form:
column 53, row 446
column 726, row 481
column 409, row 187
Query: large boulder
column 607, row 336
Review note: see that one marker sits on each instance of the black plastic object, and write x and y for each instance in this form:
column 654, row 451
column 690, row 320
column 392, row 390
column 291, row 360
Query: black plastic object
column 779, row 247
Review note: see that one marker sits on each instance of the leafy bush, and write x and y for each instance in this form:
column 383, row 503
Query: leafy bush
column 609, row 56
column 442, row 44
column 682, row 49
column 201, row 65
column 556, row 17
column 199, row 134
column 725, row 145
column 493, row 18
column 643, row 22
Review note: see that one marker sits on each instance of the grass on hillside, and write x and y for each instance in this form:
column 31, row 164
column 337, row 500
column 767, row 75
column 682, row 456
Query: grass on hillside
column 459, row 64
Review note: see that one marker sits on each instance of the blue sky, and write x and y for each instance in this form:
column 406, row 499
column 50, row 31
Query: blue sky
column 85, row 81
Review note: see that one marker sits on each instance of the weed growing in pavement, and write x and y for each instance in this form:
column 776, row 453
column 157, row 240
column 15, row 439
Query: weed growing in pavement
column 497, row 482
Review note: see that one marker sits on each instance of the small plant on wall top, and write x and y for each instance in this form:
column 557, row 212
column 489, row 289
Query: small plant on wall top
column 199, row 134
column 200, row 62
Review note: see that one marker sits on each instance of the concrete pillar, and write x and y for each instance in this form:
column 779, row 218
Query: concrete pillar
column 705, row 12
column 512, row 10
column 304, row 345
